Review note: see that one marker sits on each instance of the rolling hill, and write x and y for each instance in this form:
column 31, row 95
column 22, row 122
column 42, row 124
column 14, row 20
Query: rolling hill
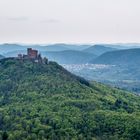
column 77, row 47
column 69, row 57
column 1, row 56
column 15, row 53
column 62, row 57
column 98, row 49
column 9, row 48
column 64, row 47
column 4, row 48
column 120, row 57
column 56, row 47
column 44, row 101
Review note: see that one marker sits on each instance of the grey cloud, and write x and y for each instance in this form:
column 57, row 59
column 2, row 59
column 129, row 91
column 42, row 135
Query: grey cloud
column 51, row 20
column 18, row 18
column 70, row 20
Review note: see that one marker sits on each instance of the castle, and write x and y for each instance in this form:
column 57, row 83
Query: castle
column 33, row 55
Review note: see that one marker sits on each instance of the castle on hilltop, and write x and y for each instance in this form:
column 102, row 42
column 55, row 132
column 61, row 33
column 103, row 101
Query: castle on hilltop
column 33, row 55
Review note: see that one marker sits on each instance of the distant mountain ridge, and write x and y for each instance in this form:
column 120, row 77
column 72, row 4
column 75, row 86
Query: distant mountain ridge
column 63, row 47
column 69, row 57
column 119, row 57
column 75, row 54
column 14, row 53
column 62, row 57
column 99, row 49
column 6, row 48
column 1, row 56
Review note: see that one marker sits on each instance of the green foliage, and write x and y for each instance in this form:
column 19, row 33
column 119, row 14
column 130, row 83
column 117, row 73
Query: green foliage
column 41, row 102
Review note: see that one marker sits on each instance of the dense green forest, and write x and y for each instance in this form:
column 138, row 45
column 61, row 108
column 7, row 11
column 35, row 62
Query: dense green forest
column 44, row 101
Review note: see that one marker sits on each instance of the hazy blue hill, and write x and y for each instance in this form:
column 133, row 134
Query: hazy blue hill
column 62, row 53
column 121, row 46
column 7, row 48
column 64, row 47
column 76, row 46
column 70, row 57
column 1, row 56
column 129, row 45
column 98, row 49
column 120, row 57
column 56, row 47
column 15, row 53
column 4, row 48
column 23, row 49
column 10, row 48
column 44, row 101
column 116, row 46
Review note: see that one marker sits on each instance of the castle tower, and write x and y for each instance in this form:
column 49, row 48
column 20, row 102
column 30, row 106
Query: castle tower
column 32, row 54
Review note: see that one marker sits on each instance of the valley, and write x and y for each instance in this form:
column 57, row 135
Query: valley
column 113, row 75
column 115, row 65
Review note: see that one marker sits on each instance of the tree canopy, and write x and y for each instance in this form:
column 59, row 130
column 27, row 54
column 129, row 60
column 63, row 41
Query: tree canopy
column 44, row 101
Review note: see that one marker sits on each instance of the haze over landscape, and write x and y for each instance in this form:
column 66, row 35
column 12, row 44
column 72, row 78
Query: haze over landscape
column 69, row 70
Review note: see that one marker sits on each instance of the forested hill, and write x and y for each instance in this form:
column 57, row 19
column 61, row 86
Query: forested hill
column 120, row 57
column 70, row 57
column 44, row 101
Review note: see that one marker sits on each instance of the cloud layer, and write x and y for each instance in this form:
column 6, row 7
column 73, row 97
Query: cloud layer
column 79, row 21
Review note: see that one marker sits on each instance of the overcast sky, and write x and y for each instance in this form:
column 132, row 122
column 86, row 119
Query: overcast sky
column 69, row 21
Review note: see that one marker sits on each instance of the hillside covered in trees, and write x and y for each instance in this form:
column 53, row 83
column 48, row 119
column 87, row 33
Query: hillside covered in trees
column 44, row 101
column 124, row 57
